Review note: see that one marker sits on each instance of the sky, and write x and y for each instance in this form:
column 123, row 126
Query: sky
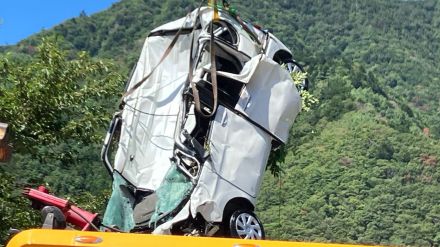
column 21, row 18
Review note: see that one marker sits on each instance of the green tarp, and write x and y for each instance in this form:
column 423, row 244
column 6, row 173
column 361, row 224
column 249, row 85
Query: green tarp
column 119, row 211
column 171, row 193
column 173, row 190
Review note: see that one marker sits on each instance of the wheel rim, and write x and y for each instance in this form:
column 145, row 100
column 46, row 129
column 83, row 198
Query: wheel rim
column 248, row 227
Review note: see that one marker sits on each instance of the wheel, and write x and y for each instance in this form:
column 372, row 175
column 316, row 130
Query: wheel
column 245, row 224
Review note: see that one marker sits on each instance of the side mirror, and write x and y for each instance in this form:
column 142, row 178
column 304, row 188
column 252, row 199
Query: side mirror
column 5, row 149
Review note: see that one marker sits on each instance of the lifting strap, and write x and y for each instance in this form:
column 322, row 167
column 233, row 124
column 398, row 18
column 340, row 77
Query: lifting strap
column 196, row 96
column 164, row 55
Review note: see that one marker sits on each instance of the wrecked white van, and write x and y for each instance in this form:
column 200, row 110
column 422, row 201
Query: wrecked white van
column 206, row 104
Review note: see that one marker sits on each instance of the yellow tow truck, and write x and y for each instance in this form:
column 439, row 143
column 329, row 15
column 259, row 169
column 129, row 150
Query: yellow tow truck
column 67, row 238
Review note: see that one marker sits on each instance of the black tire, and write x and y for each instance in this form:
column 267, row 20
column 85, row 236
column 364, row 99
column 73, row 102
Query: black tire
column 245, row 224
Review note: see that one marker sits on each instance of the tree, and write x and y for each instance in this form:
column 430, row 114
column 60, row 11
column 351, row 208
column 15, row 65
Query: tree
column 58, row 105
column 14, row 211
column 51, row 98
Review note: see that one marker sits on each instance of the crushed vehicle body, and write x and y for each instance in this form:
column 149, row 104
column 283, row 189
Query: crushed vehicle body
column 206, row 104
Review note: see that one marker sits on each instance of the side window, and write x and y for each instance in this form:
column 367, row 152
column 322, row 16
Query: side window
column 225, row 32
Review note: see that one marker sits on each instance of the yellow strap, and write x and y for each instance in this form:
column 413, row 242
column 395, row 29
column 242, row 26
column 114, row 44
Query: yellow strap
column 216, row 17
column 213, row 3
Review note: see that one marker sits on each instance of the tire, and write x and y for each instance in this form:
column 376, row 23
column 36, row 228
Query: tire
column 245, row 224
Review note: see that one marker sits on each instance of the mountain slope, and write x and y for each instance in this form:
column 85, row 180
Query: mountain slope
column 362, row 165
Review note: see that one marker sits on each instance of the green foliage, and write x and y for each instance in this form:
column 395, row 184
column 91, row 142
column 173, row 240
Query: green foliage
column 93, row 202
column 276, row 158
column 14, row 209
column 49, row 98
column 352, row 183
column 58, row 108
column 361, row 166
column 308, row 100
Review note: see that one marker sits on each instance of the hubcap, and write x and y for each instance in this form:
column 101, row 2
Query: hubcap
column 248, row 227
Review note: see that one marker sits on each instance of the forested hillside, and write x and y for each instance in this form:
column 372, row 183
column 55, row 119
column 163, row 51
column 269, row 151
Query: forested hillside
column 362, row 165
